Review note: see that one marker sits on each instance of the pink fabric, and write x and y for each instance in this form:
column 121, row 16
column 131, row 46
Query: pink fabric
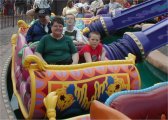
column 27, row 51
column 22, row 75
column 149, row 105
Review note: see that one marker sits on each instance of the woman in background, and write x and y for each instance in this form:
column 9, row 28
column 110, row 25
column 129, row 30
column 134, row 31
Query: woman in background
column 70, row 9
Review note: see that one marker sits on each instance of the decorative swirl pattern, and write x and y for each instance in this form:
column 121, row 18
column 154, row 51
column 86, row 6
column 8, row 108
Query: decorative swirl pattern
column 34, row 59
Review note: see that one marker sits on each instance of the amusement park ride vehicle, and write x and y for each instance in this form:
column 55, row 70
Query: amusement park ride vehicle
column 69, row 90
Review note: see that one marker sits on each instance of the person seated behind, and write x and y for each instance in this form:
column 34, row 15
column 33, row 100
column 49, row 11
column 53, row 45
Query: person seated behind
column 126, row 4
column 70, row 8
column 56, row 48
column 40, row 28
column 43, row 4
column 93, row 51
column 83, row 4
column 37, row 5
column 113, row 5
column 80, row 13
column 95, row 5
column 71, row 31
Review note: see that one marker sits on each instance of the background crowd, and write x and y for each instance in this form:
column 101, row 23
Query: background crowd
column 16, row 7
column 58, row 43
column 19, row 7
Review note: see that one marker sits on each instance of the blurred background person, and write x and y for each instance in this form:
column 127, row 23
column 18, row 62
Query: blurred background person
column 29, row 4
column 43, row 4
column 95, row 5
column 83, row 4
column 7, row 7
column 70, row 8
column 126, row 4
column 114, row 5
column 20, row 7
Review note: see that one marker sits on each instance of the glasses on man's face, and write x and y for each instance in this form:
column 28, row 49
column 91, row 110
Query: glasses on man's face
column 69, row 18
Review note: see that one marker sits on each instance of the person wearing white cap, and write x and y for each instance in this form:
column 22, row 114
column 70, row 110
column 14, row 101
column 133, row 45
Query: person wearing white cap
column 40, row 4
column 95, row 5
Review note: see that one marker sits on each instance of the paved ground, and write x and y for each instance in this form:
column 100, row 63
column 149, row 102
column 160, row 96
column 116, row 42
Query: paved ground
column 5, row 52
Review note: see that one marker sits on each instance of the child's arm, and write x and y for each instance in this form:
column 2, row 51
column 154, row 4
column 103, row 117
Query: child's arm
column 87, row 57
column 103, row 55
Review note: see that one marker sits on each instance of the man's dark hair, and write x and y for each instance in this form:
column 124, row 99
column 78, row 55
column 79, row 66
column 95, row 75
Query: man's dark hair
column 57, row 19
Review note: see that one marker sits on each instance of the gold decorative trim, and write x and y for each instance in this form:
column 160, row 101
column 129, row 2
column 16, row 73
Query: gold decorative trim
column 104, row 25
column 83, row 18
column 136, row 40
column 131, row 57
column 33, row 59
column 85, row 30
column 14, row 39
column 94, row 19
column 40, row 65
column 88, row 19
column 33, row 93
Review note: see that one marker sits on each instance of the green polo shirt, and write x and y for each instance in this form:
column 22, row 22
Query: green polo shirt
column 55, row 51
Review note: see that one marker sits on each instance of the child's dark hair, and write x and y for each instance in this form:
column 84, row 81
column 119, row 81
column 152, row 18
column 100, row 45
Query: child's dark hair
column 57, row 19
column 94, row 32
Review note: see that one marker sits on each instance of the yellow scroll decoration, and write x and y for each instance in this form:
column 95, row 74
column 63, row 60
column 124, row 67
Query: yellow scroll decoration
column 32, row 59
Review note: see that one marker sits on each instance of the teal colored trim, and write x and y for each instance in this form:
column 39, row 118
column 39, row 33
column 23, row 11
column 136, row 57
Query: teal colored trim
column 20, row 53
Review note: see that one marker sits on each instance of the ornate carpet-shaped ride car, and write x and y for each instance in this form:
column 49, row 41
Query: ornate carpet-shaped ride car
column 76, row 85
